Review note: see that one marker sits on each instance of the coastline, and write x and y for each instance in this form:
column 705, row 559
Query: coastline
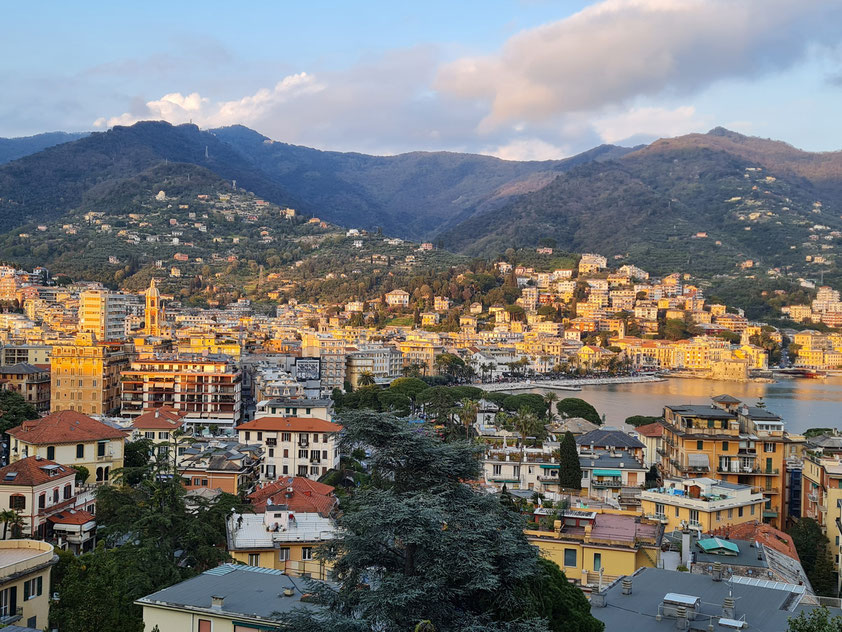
column 568, row 385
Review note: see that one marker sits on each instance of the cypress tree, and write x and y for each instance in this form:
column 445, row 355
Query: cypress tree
column 570, row 472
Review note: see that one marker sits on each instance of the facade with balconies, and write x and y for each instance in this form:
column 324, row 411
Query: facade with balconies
column 25, row 567
column 821, row 499
column 702, row 503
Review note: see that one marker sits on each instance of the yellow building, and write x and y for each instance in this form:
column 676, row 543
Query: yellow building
column 154, row 312
column 70, row 438
column 210, row 344
column 583, row 543
column 85, row 375
column 701, row 503
column 228, row 598
column 25, row 567
column 421, row 352
column 821, row 497
column 739, row 443
column 103, row 314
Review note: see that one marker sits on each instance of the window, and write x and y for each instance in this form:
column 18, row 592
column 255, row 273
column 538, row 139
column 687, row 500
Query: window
column 42, row 500
column 204, row 625
column 739, row 512
column 100, row 448
column 163, row 435
column 303, row 454
column 730, row 513
column 302, row 470
column 286, row 470
column 55, row 495
column 260, row 436
column 254, row 559
column 33, row 588
column 248, row 436
column 768, row 446
column 700, row 445
column 724, row 446
column 197, row 481
column 710, row 423
column 718, row 516
column 516, row 471
column 315, row 437
column 51, row 452
column 694, row 515
column 752, row 510
column 9, row 601
column 597, row 562
column 18, row 501
column 271, row 452
column 286, row 436
column 497, row 470
column 68, row 491
column 306, row 553
column 676, row 512
column 80, row 451
column 324, row 456
column 283, row 554
column 314, row 470
column 286, row 453
column 148, row 435
column 570, row 557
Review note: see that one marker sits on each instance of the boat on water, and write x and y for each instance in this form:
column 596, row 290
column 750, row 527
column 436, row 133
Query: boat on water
column 811, row 374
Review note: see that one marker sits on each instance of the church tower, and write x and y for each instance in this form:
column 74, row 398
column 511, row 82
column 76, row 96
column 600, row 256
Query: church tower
column 154, row 313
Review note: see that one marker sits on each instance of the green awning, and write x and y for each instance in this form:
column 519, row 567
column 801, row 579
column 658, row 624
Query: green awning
column 607, row 473
column 550, row 466
column 712, row 545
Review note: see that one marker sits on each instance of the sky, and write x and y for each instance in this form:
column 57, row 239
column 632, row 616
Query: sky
column 518, row 79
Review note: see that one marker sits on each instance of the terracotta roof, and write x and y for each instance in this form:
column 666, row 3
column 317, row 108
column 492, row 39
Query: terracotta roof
column 767, row 536
column 33, row 471
column 65, row 426
column 306, row 497
column 164, row 418
column 651, row 430
column 72, row 516
column 290, row 424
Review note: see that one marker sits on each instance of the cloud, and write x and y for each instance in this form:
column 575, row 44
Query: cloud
column 617, row 50
column 648, row 121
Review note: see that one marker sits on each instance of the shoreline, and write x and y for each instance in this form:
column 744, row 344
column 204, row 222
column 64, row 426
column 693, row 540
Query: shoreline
column 568, row 385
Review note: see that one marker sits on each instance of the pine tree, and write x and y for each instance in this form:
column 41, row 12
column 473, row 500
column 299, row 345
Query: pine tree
column 570, row 472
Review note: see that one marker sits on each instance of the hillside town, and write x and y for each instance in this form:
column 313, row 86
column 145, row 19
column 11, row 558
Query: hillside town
column 233, row 403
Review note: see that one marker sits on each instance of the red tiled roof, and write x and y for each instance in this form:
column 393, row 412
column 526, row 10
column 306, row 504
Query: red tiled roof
column 651, row 430
column 31, row 472
column 163, row 418
column 65, row 426
column 763, row 533
column 72, row 516
column 290, row 424
column 306, row 497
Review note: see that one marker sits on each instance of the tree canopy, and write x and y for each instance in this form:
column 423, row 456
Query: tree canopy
column 576, row 407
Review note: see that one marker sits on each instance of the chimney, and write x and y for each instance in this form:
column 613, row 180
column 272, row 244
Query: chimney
column 728, row 608
column 681, row 622
column 717, row 571
column 686, row 541
column 598, row 599
column 289, row 592
column 216, row 602
column 627, row 585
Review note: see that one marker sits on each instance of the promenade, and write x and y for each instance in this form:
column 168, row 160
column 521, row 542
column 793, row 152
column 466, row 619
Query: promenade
column 572, row 384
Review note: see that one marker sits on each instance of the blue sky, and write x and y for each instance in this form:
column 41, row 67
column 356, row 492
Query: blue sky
column 520, row 79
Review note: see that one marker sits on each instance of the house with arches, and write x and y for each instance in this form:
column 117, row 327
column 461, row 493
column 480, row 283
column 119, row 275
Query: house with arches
column 71, row 439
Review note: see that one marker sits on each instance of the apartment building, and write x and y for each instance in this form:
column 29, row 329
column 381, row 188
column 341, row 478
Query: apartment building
column 159, row 425
column 420, row 352
column 702, row 503
column 25, row 567
column 27, row 354
column 72, row 439
column 821, row 498
column 103, row 313
column 32, row 383
column 202, row 387
column 741, row 444
column 331, row 353
column 226, row 465
column 85, row 375
column 384, row 363
column 293, row 446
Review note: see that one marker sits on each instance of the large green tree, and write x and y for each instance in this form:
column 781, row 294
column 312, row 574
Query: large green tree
column 815, row 620
column 576, row 407
column 14, row 410
column 813, row 549
column 420, row 545
column 570, row 471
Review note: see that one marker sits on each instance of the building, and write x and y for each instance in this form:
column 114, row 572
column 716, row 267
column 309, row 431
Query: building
column 38, row 490
column 397, row 298
column 421, row 353
column 159, row 425
column 821, row 498
column 331, row 353
column 293, row 446
column 594, row 547
column 25, row 567
column 225, row 465
column 103, row 314
column 384, row 363
column 29, row 354
column 31, row 382
column 741, row 444
column 85, row 375
column 658, row 600
column 153, row 314
column 71, row 439
column 702, row 503
column 298, row 494
column 281, row 538
column 201, row 386
column 228, row 598
column 293, row 407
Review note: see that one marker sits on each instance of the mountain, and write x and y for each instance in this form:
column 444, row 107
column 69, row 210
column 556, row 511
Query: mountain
column 703, row 202
column 409, row 195
column 14, row 148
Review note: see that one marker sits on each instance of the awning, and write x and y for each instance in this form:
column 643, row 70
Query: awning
column 714, row 545
column 698, row 460
column 607, row 473
column 550, row 466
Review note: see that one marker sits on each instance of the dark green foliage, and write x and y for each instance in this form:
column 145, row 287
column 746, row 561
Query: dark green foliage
column 82, row 473
column 641, row 420
column 575, row 407
column 813, row 549
column 14, row 148
column 534, row 403
column 14, row 410
column 570, row 471
column 419, row 545
column 653, row 476
column 815, row 620
column 136, row 460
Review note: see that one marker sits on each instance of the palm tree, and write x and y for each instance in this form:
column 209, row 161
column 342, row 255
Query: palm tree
column 468, row 415
column 524, row 422
column 17, row 525
column 7, row 516
column 366, row 379
column 550, row 398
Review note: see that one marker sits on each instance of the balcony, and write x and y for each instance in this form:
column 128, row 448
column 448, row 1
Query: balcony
column 548, row 479
column 813, row 498
column 770, row 513
column 695, row 469
column 694, row 524
column 661, row 451
column 658, row 517
column 608, row 483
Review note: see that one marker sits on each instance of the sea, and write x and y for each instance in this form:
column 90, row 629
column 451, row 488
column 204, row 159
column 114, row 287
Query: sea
column 802, row 403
